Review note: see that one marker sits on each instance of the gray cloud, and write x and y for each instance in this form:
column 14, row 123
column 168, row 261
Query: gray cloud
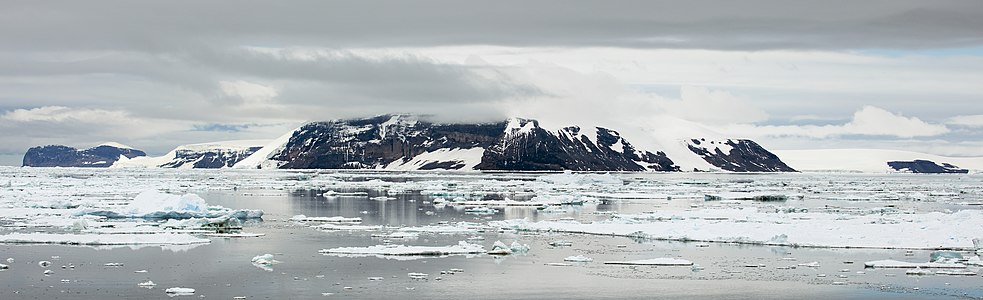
column 175, row 66
column 154, row 26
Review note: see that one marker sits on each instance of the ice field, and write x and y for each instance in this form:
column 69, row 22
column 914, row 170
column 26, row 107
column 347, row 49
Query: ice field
column 98, row 233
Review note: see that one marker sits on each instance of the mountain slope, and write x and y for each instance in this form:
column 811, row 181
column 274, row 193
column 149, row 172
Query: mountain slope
column 408, row 142
column 201, row 156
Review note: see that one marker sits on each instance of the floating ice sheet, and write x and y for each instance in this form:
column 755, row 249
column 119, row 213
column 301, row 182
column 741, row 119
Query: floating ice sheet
column 102, row 239
column 749, row 226
column 889, row 263
column 663, row 261
column 401, row 250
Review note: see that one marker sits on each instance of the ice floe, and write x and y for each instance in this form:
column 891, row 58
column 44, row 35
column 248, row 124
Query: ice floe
column 932, row 230
column 462, row 248
column 102, row 239
column 303, row 218
column 663, row 261
column 578, row 258
column 580, row 179
column 179, row 291
column 890, row 263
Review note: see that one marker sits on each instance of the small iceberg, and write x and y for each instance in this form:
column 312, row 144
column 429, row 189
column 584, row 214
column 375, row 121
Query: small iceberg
column 179, row 291
column 500, row 248
column 578, row 258
column 264, row 262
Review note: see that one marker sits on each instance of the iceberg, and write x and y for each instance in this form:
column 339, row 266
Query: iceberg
column 157, row 205
column 264, row 262
column 945, row 256
column 265, row 259
column 499, row 248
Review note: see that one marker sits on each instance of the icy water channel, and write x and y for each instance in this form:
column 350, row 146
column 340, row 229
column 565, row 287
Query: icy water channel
column 222, row 269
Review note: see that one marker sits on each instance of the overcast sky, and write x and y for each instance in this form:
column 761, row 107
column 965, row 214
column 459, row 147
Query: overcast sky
column 892, row 74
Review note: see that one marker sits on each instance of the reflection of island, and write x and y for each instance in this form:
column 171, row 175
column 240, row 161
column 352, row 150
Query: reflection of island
column 925, row 166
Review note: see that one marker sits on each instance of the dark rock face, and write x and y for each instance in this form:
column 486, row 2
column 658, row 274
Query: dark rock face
column 744, row 156
column 538, row 149
column 925, row 166
column 209, row 159
column 379, row 141
column 63, row 156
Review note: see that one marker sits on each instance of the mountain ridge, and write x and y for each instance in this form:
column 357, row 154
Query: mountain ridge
column 411, row 142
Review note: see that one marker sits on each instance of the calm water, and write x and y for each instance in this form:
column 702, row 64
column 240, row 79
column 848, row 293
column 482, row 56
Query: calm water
column 223, row 270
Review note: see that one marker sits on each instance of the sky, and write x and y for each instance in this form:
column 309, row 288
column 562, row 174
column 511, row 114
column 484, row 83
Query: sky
column 893, row 74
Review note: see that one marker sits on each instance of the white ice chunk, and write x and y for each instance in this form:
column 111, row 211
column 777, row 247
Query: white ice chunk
column 179, row 291
column 265, row 259
column 147, row 283
column 814, row 264
column 264, row 262
column 578, row 258
column 499, row 248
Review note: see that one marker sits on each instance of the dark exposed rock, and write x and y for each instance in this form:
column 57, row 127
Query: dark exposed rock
column 925, row 166
column 63, row 156
column 744, row 156
column 538, row 149
column 523, row 145
column 372, row 142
